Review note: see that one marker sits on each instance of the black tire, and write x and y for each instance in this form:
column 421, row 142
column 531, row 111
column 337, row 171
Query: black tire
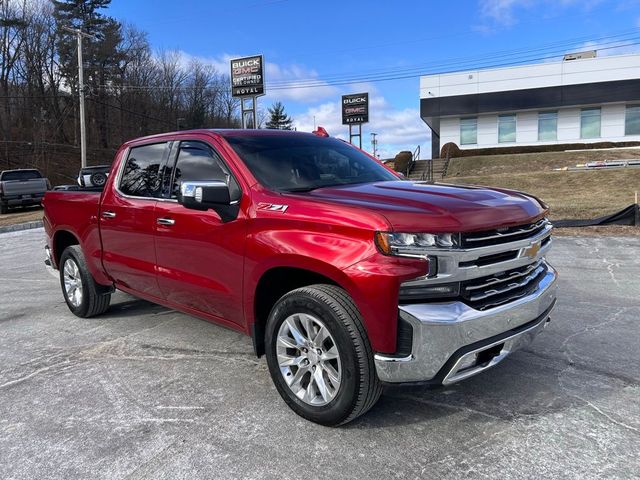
column 98, row 179
column 360, row 387
column 4, row 209
column 93, row 300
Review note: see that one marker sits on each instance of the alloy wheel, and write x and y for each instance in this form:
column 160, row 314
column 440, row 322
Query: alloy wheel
column 72, row 282
column 308, row 358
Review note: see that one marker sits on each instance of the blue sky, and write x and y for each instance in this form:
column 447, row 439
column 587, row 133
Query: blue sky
column 330, row 40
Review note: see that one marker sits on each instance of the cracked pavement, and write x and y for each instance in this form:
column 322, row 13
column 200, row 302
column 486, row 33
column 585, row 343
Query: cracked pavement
column 146, row 392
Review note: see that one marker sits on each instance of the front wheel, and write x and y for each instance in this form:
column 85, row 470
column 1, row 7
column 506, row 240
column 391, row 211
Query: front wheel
column 319, row 355
column 78, row 286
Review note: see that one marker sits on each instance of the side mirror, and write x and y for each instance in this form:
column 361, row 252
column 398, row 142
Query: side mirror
column 213, row 195
column 204, row 195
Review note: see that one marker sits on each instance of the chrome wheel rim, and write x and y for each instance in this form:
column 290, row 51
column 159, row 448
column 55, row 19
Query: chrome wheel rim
column 309, row 359
column 72, row 282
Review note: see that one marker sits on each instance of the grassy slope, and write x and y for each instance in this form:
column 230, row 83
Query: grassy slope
column 570, row 194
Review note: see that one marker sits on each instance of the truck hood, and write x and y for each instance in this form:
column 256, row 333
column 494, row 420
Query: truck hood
column 412, row 207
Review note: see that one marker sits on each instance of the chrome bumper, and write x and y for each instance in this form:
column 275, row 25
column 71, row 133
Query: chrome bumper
column 452, row 341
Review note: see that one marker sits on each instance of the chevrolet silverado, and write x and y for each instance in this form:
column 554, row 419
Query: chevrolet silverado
column 346, row 276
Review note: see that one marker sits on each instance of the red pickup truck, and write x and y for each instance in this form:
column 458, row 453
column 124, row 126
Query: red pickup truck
column 345, row 275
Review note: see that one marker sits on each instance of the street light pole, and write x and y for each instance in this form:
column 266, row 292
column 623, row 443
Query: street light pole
column 83, row 128
column 374, row 144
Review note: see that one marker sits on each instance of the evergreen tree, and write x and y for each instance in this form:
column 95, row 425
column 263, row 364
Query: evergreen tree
column 86, row 16
column 101, row 53
column 279, row 120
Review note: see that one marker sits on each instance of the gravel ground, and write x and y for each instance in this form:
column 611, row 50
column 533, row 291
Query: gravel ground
column 21, row 215
column 146, row 392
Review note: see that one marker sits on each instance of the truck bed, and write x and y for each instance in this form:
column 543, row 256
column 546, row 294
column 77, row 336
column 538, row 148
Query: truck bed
column 77, row 212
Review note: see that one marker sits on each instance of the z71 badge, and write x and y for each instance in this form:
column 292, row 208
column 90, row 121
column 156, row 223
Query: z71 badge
column 272, row 207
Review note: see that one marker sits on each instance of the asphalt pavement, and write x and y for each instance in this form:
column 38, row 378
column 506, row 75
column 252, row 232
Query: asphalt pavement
column 144, row 392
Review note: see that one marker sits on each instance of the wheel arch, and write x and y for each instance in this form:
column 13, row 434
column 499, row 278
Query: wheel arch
column 61, row 240
column 276, row 281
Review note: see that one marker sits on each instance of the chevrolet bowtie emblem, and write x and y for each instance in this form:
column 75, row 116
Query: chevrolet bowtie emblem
column 531, row 251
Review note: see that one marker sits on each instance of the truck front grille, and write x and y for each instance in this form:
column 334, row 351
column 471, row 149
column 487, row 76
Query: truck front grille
column 492, row 268
column 502, row 235
column 504, row 287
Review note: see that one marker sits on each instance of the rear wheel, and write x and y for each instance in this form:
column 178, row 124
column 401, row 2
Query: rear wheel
column 82, row 294
column 4, row 208
column 319, row 355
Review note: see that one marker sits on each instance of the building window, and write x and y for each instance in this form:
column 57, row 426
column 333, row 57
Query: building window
column 547, row 126
column 507, row 128
column 632, row 120
column 590, row 123
column 468, row 131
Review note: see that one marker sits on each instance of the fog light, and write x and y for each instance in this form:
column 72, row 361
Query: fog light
column 419, row 290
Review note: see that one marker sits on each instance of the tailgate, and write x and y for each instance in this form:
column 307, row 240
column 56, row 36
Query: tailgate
column 24, row 187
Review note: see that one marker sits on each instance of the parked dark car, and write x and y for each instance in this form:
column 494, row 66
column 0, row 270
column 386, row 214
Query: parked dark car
column 22, row 187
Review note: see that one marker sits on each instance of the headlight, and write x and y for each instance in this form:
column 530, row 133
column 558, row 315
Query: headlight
column 413, row 244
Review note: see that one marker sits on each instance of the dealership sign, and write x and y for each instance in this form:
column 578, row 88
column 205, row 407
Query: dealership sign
column 355, row 108
column 247, row 76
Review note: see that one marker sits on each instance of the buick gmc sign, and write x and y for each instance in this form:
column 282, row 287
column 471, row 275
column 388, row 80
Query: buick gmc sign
column 355, row 108
column 247, row 76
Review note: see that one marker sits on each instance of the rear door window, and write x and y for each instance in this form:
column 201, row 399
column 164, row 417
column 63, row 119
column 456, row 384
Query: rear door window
column 142, row 175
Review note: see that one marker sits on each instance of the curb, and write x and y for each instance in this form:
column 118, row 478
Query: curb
column 21, row 226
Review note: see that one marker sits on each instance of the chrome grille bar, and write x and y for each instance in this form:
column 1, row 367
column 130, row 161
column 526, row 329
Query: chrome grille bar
column 510, row 276
column 498, row 235
column 512, row 286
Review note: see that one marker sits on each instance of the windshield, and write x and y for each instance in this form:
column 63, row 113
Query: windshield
column 299, row 163
column 21, row 175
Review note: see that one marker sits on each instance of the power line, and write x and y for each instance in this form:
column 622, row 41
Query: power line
column 620, row 36
column 132, row 112
column 551, row 50
column 417, row 75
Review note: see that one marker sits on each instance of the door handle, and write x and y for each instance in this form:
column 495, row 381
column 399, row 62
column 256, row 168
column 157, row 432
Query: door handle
column 108, row 214
column 165, row 221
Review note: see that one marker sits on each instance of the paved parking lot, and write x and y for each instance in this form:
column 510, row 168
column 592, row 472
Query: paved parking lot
column 145, row 392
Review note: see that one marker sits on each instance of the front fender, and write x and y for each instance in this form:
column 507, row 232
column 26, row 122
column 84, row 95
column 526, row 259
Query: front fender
column 350, row 260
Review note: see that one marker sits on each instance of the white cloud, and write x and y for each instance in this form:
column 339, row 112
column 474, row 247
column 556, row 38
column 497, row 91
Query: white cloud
column 293, row 73
column 504, row 13
column 397, row 129
column 500, row 11
column 275, row 73
column 608, row 49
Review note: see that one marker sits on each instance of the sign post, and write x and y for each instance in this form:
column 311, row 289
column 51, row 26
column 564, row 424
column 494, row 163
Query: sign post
column 355, row 112
column 247, row 83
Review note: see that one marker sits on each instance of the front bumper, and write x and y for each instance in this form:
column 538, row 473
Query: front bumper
column 452, row 341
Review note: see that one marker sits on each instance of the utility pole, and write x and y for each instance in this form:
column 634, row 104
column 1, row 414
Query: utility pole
column 374, row 144
column 83, row 128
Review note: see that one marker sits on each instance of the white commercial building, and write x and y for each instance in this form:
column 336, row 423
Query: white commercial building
column 574, row 101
